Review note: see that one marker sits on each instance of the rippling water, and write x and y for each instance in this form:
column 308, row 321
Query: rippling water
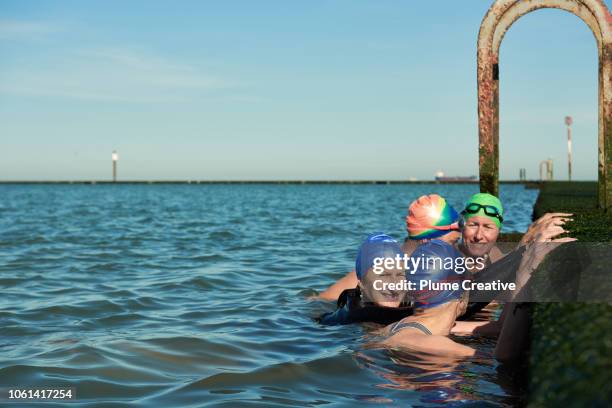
column 194, row 295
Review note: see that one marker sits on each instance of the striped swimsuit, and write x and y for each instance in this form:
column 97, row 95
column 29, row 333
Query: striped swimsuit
column 409, row 325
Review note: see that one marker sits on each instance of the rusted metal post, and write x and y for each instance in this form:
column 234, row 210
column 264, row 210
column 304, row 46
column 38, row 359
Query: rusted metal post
column 488, row 75
column 605, row 124
column 499, row 18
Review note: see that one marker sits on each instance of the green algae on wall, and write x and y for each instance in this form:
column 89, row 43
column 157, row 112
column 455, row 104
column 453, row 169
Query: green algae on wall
column 570, row 361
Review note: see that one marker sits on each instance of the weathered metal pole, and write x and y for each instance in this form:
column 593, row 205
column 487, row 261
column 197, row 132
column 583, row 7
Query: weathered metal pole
column 605, row 122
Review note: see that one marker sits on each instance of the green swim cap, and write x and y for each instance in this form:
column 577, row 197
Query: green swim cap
column 484, row 205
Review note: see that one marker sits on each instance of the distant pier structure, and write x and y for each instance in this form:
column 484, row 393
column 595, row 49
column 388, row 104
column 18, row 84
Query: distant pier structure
column 499, row 18
column 546, row 170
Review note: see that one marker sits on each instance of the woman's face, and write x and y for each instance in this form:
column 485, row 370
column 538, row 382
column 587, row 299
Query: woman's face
column 375, row 287
column 479, row 235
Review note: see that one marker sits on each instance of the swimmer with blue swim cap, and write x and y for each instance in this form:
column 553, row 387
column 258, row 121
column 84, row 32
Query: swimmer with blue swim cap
column 377, row 297
column 438, row 295
column 374, row 283
column 441, row 273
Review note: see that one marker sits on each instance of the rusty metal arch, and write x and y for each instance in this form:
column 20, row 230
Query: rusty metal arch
column 499, row 18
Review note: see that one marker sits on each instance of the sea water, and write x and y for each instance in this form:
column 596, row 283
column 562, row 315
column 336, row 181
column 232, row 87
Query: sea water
column 195, row 295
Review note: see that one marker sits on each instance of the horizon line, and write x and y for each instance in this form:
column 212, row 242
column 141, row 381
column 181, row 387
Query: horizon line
column 186, row 181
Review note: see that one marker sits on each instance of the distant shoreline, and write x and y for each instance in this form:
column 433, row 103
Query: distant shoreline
column 533, row 183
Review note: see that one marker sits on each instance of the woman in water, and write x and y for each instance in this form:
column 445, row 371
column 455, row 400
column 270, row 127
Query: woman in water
column 435, row 309
column 378, row 296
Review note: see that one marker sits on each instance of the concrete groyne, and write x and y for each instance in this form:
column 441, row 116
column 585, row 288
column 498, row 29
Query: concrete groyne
column 570, row 358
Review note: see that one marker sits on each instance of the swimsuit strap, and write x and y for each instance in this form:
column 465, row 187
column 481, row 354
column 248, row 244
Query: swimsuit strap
column 409, row 325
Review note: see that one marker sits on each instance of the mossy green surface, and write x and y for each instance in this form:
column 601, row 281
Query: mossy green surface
column 570, row 361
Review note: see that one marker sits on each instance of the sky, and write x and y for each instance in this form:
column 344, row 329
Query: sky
column 269, row 90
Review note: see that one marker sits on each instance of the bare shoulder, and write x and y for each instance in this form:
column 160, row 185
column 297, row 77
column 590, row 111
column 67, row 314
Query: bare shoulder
column 437, row 345
column 348, row 281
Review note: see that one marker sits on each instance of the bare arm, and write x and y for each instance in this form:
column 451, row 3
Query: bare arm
column 349, row 281
column 513, row 338
column 485, row 328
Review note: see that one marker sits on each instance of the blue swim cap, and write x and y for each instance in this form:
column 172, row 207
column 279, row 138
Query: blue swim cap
column 439, row 263
column 377, row 245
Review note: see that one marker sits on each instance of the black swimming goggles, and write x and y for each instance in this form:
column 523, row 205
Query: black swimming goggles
column 489, row 210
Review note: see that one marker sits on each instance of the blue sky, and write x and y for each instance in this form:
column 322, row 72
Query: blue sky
column 283, row 90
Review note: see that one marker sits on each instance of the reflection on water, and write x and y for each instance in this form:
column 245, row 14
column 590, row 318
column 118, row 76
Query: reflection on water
column 194, row 295
column 440, row 379
column 436, row 380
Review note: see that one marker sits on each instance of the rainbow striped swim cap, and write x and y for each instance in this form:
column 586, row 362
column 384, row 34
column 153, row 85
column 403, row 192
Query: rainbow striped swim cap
column 430, row 216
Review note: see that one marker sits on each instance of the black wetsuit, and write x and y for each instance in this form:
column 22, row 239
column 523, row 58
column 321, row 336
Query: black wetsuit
column 352, row 309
